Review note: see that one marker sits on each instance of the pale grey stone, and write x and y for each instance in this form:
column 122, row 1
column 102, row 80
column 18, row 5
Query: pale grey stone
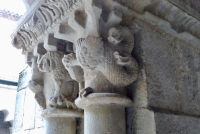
column 103, row 41
column 66, row 90
column 172, row 70
column 28, row 57
column 50, row 43
column 192, row 7
column 56, row 125
column 176, row 124
column 39, row 123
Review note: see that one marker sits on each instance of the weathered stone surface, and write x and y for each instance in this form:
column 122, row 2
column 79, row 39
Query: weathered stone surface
column 192, row 7
column 176, row 124
column 50, row 43
column 172, row 70
column 60, row 125
column 19, row 111
column 49, row 88
column 29, row 110
column 38, row 119
column 39, row 50
column 66, row 90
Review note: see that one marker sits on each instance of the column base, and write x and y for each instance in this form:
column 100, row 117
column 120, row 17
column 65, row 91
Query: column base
column 60, row 121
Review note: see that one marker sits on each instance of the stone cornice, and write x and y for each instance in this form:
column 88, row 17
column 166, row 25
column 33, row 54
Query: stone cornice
column 26, row 17
column 40, row 20
column 45, row 15
column 179, row 20
column 190, row 6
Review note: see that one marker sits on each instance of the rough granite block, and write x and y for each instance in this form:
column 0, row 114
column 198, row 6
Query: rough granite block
column 172, row 70
column 176, row 124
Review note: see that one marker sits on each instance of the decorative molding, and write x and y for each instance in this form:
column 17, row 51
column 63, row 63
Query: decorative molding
column 179, row 19
column 192, row 7
column 46, row 15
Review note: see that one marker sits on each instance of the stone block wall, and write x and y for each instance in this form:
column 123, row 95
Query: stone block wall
column 166, row 94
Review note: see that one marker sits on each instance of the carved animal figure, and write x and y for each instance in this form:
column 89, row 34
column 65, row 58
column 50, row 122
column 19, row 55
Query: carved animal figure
column 112, row 58
column 51, row 62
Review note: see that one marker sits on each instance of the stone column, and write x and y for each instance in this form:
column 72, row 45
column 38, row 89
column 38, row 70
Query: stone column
column 55, row 93
column 60, row 121
column 104, row 113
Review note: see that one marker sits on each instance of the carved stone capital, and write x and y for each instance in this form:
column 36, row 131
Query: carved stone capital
column 66, row 89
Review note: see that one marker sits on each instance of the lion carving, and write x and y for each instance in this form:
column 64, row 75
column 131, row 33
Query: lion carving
column 51, row 63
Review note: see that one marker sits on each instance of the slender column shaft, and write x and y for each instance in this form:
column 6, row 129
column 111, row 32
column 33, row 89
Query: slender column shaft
column 60, row 125
column 104, row 119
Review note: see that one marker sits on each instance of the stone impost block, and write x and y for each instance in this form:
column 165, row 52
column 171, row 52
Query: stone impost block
column 69, row 47
column 28, row 58
column 39, row 50
column 50, row 43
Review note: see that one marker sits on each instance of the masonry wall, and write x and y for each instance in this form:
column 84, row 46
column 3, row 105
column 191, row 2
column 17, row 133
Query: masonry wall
column 166, row 95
